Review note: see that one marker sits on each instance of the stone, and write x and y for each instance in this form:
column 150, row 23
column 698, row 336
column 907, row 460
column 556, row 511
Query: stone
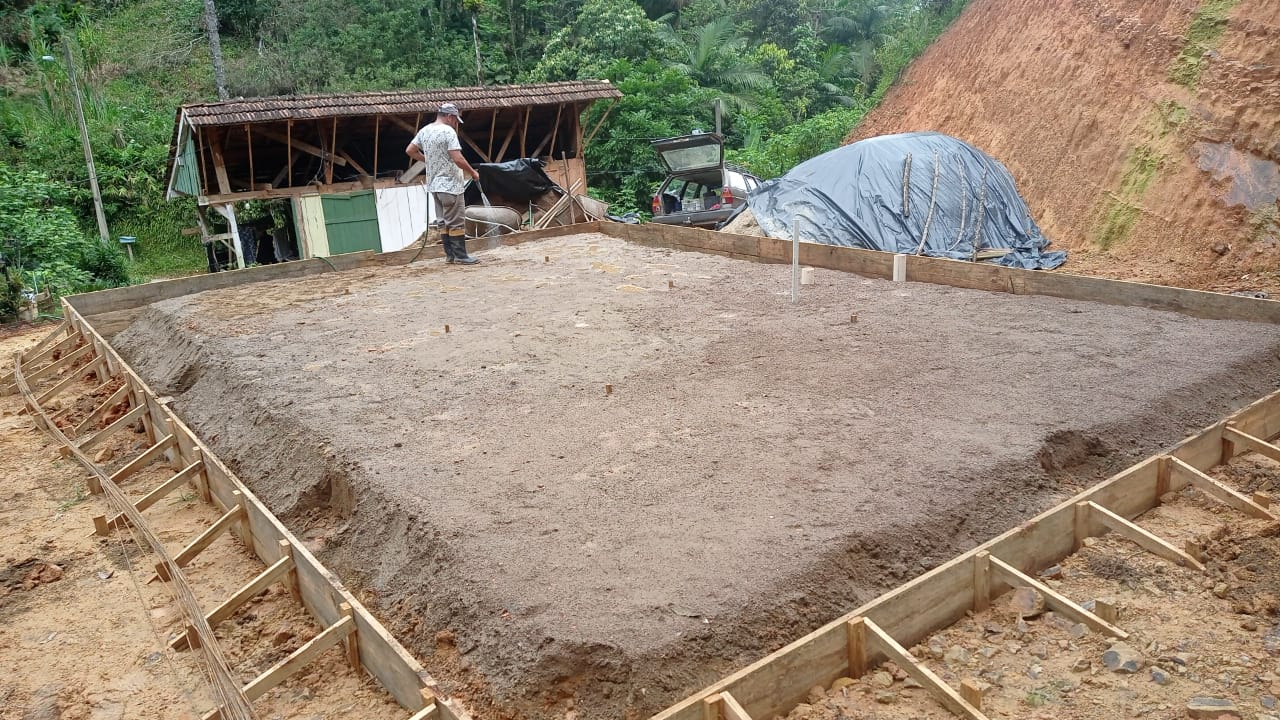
column 1026, row 602
column 993, row 628
column 937, row 649
column 1090, row 541
column 1021, row 628
column 988, row 652
column 1220, row 590
column 1211, row 708
column 104, row 455
column 1081, row 665
column 1160, row 677
column 882, row 678
column 817, row 694
column 885, row 697
column 1078, row 631
column 842, row 683
column 282, row 637
column 1053, row 572
column 1034, row 672
column 911, row 683
column 956, row 656
column 1220, row 248
column 1249, row 624
column 1038, row 649
column 44, row 704
column 1268, row 702
column 1121, row 658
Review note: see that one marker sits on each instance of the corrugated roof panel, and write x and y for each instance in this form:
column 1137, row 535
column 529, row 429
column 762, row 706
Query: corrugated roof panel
column 311, row 107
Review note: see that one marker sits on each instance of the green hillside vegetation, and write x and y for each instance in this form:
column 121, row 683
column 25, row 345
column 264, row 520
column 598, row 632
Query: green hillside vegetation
column 794, row 76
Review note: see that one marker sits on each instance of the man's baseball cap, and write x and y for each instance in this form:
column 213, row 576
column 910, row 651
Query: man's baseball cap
column 450, row 109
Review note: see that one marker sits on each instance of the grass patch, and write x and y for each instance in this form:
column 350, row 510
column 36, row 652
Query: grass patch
column 1264, row 223
column 1122, row 211
column 78, row 496
column 1207, row 26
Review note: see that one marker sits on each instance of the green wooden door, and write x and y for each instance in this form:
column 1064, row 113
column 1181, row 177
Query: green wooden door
column 351, row 222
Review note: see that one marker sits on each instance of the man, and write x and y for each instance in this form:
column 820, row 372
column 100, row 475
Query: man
column 446, row 175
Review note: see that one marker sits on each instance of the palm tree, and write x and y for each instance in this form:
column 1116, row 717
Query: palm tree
column 715, row 57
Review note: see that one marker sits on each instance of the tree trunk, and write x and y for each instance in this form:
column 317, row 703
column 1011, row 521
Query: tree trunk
column 215, row 48
column 475, row 40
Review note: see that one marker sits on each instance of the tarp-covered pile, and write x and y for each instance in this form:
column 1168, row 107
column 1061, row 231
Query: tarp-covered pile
column 916, row 193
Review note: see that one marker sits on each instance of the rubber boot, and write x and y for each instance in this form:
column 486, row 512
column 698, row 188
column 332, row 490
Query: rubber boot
column 460, row 255
column 447, row 242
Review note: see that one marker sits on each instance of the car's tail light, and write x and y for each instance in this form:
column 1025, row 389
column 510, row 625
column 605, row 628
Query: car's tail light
column 657, row 204
column 726, row 197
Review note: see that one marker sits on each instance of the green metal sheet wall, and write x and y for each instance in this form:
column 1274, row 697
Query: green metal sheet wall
column 351, row 222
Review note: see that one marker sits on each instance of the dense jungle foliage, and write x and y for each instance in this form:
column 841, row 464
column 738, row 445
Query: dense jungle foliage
column 794, row 76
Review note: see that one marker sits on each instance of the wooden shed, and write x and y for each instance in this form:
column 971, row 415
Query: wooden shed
column 339, row 159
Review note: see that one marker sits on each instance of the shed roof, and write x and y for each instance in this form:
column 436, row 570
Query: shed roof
column 310, row 107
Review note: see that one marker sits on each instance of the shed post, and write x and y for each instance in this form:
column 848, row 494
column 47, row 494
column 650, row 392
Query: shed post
column 228, row 211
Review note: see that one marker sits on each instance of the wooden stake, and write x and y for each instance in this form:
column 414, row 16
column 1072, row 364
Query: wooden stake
column 524, row 130
column 608, row 389
column 333, row 151
column 1080, row 524
column 219, row 164
column 973, row 691
column 1163, row 472
column 59, row 364
column 286, row 551
column 1220, row 492
column 598, row 124
column 1062, row 605
column 981, row 581
column 857, row 641
column 288, row 137
column 100, row 526
column 1146, row 540
column 1106, row 610
column 502, row 151
column 1262, row 500
column 377, row 133
column 353, row 640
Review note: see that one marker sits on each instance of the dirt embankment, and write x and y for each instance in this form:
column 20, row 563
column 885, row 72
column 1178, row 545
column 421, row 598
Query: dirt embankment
column 757, row 469
column 1144, row 134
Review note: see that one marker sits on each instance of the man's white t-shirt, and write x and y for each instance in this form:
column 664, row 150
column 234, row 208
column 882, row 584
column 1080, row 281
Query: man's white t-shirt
column 441, row 175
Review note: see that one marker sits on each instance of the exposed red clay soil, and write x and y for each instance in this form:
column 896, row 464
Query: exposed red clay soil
column 1140, row 177
column 757, row 468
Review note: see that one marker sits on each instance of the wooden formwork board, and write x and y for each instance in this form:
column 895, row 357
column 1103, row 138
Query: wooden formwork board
column 955, row 273
column 777, row 683
column 321, row 592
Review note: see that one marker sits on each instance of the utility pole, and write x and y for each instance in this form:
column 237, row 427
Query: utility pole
column 84, row 141
column 215, row 48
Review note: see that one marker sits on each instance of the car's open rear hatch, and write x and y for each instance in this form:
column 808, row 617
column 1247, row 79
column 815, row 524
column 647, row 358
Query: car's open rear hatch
column 689, row 153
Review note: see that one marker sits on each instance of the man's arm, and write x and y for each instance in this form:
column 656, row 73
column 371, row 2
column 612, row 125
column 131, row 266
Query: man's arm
column 414, row 152
column 456, row 157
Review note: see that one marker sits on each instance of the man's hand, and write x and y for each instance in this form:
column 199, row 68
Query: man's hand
column 475, row 174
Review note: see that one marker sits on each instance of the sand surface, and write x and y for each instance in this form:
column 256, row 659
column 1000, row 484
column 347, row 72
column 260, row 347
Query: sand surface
column 758, row 467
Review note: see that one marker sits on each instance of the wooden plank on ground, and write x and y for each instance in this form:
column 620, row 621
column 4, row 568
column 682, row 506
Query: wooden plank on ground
column 1256, row 444
column 1060, row 603
column 99, row 412
column 66, row 382
column 188, row 474
column 943, row 693
column 300, row 658
column 1144, row 539
column 1220, row 492
column 201, row 542
column 128, row 418
column 229, row 606
column 148, row 456
column 58, row 365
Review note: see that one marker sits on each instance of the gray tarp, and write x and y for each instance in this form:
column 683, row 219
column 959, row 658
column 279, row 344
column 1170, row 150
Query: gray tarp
column 959, row 201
